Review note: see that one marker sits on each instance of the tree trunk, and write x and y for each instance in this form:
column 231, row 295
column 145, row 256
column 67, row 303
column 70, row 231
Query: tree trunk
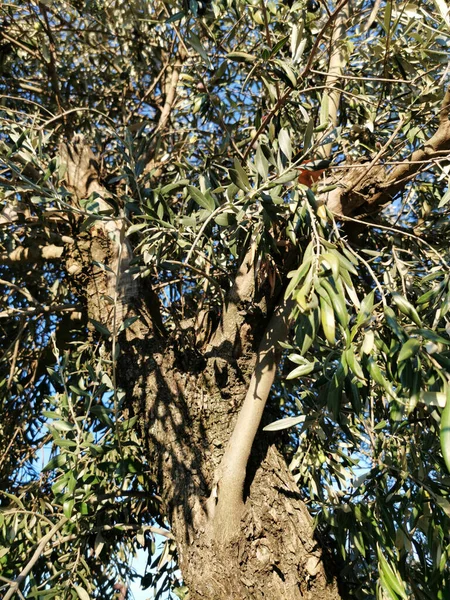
column 188, row 404
column 188, row 401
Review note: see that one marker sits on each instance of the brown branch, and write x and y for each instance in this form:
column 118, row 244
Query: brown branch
column 372, row 16
column 170, row 95
column 33, row 254
column 372, row 186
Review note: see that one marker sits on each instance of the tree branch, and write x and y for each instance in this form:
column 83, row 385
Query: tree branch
column 370, row 186
column 281, row 101
column 233, row 468
column 14, row 585
column 336, row 67
column 32, row 254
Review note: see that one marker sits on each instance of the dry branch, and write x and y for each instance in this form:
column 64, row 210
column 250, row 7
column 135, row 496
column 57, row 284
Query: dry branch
column 371, row 186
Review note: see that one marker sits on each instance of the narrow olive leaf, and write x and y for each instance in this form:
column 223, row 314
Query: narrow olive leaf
column 241, row 173
column 406, row 308
column 354, row 364
column 136, row 227
column 284, row 423
column 433, row 398
column 241, row 57
column 195, row 42
column 201, row 199
column 344, row 263
column 82, row 593
column 331, row 261
column 284, row 140
column 290, row 77
column 445, row 199
column 261, row 163
column 358, row 540
column 100, row 327
column 173, row 186
column 305, row 333
column 285, row 178
column 328, row 321
column 102, row 413
column 390, row 576
column 391, row 320
column 388, row 591
column 377, row 376
column 68, row 507
column 302, row 370
column 366, row 309
column 295, row 39
column 128, row 322
column 61, row 425
column 55, row 462
column 337, row 301
column 409, row 349
column 445, row 432
column 308, row 137
column 278, row 46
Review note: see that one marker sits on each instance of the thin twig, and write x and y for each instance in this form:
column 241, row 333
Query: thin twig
column 14, row 585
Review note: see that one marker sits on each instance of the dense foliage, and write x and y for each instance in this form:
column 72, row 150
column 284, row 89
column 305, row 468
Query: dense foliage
column 200, row 114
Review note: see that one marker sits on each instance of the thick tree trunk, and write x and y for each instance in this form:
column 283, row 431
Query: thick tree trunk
column 188, row 404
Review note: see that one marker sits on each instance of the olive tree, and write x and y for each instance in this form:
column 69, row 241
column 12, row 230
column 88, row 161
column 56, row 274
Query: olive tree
column 225, row 298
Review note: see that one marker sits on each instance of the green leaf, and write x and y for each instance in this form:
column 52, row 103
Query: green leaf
column 261, row 163
column 57, row 461
column 409, row 349
column 406, row 308
column 241, row 57
column 286, row 73
column 103, row 414
column 366, row 309
column 82, row 593
column 61, row 425
column 195, row 42
column 302, row 370
column 445, row 431
column 201, row 199
column 392, row 580
column 284, row 423
column 239, row 176
column 68, row 507
column 445, row 199
column 284, row 140
column 309, row 132
column 173, row 186
column 100, row 327
column 128, row 322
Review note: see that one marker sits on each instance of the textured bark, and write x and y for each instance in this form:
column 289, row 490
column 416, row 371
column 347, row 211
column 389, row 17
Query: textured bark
column 188, row 405
column 188, row 402
column 367, row 188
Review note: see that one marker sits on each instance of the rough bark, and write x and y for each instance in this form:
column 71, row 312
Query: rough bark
column 189, row 405
column 241, row 532
column 188, row 402
column 367, row 188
